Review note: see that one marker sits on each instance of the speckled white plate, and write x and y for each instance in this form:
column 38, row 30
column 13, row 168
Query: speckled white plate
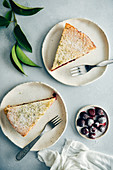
column 30, row 92
column 101, row 53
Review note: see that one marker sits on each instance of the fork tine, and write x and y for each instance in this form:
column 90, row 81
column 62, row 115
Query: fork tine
column 74, row 68
column 58, row 122
column 55, row 121
column 54, row 118
column 76, row 74
column 75, row 71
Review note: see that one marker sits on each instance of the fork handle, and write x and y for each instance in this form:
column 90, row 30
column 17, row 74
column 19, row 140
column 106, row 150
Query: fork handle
column 105, row 63
column 27, row 148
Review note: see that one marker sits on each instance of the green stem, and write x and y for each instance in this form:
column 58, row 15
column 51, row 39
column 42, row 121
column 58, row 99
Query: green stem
column 15, row 20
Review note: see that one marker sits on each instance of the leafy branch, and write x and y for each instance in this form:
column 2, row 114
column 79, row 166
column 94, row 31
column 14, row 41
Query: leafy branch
column 17, row 55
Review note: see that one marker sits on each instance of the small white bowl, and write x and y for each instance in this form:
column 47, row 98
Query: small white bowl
column 98, row 134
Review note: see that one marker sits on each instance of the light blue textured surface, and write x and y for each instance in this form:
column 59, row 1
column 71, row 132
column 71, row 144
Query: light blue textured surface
column 99, row 93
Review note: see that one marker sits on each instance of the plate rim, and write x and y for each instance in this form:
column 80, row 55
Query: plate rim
column 37, row 82
column 69, row 19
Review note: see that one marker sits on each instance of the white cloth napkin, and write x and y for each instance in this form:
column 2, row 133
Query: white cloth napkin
column 76, row 156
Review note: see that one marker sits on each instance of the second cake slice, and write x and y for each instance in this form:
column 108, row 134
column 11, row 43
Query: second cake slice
column 24, row 116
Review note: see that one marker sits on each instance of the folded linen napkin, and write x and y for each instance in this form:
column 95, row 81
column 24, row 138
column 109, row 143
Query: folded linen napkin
column 76, row 156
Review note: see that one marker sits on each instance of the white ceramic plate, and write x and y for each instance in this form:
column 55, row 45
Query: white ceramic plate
column 30, row 92
column 101, row 53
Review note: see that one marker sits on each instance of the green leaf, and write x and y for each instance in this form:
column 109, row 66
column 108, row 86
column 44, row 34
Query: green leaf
column 6, row 4
column 3, row 21
column 21, row 38
column 15, row 60
column 23, row 58
column 23, row 10
column 8, row 16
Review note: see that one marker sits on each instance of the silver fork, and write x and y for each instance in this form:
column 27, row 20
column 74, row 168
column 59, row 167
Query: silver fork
column 49, row 126
column 82, row 69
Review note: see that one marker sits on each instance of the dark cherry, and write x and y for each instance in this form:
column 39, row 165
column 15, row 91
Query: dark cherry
column 96, row 124
column 84, row 130
column 54, row 94
column 92, row 135
column 84, row 115
column 101, row 128
column 99, row 111
column 92, row 129
column 102, row 119
column 91, row 112
column 90, row 122
column 80, row 122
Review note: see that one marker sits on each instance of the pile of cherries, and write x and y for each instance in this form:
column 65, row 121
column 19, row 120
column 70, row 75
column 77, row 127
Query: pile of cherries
column 92, row 121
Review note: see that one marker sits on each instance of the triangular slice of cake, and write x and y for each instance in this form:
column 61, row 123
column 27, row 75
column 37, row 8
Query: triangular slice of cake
column 24, row 116
column 73, row 44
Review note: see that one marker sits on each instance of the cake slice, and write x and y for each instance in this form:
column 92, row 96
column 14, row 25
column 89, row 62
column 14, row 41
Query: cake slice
column 73, row 44
column 24, row 116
